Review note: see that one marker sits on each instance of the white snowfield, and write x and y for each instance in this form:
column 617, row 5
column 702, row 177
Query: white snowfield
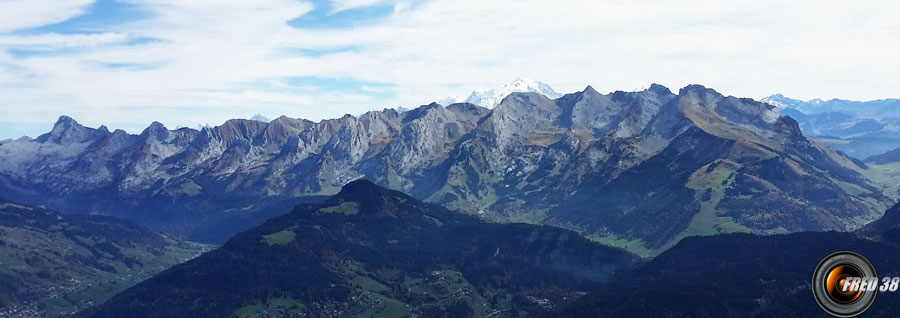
column 489, row 98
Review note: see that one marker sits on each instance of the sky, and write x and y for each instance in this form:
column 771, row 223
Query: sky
column 127, row 63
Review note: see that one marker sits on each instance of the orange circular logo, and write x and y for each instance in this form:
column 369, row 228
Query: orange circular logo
column 844, row 284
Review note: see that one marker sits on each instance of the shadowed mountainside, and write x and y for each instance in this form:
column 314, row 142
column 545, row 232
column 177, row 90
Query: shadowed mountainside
column 744, row 275
column 369, row 251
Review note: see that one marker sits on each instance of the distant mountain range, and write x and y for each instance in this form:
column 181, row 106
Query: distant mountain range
column 859, row 129
column 54, row 264
column 882, row 108
column 634, row 169
column 373, row 252
column 889, row 157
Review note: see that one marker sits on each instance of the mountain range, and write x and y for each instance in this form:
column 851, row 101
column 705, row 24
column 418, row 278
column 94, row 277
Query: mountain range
column 726, row 192
column 859, row 129
column 882, row 108
column 634, row 169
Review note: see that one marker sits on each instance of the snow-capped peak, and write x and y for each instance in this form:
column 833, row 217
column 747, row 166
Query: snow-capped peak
column 260, row 117
column 780, row 101
column 774, row 100
column 450, row 100
column 491, row 97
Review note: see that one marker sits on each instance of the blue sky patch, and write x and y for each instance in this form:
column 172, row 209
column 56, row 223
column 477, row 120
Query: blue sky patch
column 99, row 17
column 323, row 17
column 375, row 89
column 317, row 52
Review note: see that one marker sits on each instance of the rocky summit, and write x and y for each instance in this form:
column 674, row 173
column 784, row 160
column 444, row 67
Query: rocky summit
column 639, row 169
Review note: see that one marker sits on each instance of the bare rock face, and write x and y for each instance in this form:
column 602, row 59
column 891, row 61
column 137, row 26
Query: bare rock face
column 645, row 168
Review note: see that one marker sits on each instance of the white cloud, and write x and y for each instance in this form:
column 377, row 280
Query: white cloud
column 53, row 41
column 748, row 49
column 212, row 60
column 20, row 14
